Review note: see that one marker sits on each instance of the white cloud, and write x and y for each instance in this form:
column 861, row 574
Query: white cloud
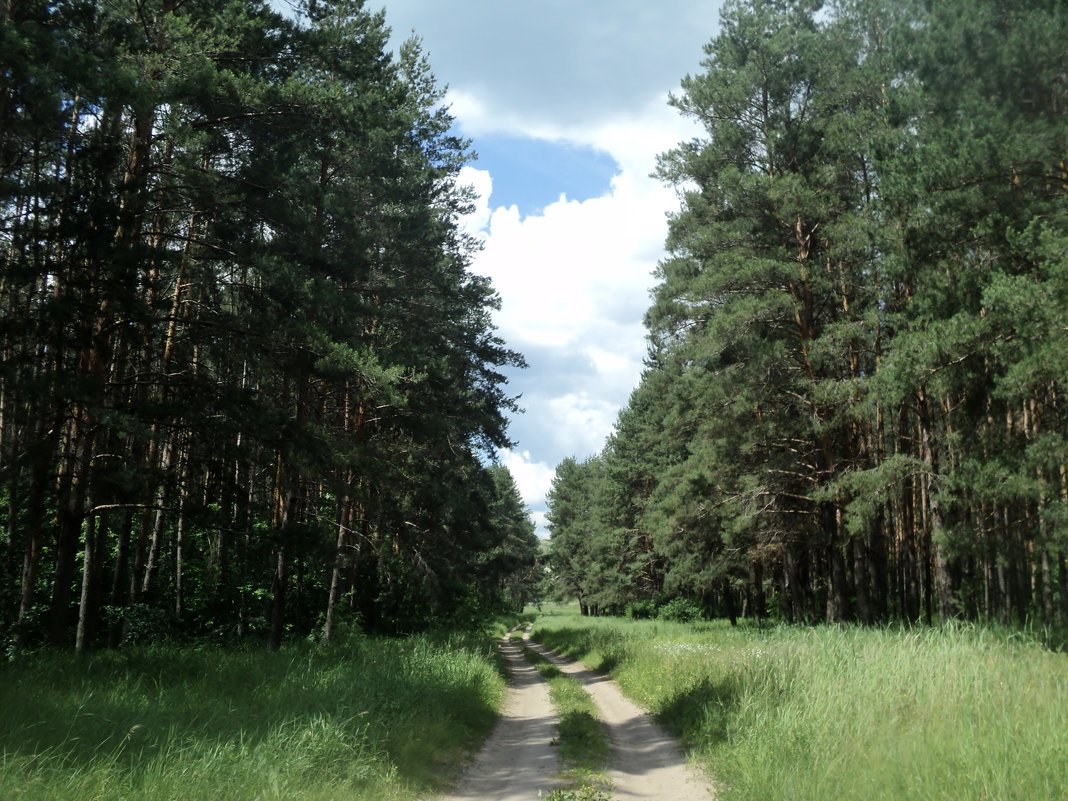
column 578, row 270
column 575, row 278
column 617, row 369
column 541, row 524
column 558, row 59
column 481, row 181
column 582, row 420
column 532, row 477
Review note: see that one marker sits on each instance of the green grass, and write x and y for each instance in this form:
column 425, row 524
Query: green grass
column 373, row 719
column 584, row 745
column 585, row 792
column 954, row 714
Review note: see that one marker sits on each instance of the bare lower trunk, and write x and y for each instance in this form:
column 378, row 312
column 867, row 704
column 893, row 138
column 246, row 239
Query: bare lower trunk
column 278, row 591
column 759, row 602
column 280, row 580
column 119, row 578
column 339, row 568
column 861, row 581
column 148, row 580
column 179, row 539
column 1062, row 583
column 838, row 598
column 729, row 602
column 88, row 569
column 71, row 516
column 943, row 588
column 35, row 512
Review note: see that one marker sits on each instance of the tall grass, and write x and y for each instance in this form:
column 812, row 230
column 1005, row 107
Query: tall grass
column 374, row 719
column 954, row 714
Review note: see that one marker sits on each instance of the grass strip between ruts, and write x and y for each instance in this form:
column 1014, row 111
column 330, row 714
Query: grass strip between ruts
column 584, row 746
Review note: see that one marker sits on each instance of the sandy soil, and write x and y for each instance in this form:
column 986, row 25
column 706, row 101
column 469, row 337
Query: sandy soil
column 519, row 760
column 647, row 763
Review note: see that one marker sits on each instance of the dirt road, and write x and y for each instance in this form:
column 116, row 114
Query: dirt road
column 519, row 760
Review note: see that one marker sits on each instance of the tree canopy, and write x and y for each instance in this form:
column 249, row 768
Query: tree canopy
column 853, row 407
column 249, row 384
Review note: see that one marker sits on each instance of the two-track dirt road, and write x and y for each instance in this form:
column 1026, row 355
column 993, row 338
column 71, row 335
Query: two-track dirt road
column 519, row 760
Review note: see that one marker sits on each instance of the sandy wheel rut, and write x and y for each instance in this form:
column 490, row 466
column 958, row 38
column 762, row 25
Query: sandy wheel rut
column 518, row 760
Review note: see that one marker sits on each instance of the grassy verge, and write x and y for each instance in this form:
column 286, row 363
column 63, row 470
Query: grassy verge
column 373, row 719
column 958, row 714
column 584, row 747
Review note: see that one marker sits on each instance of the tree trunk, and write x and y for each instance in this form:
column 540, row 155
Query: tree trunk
column 838, row 595
column 280, row 580
column 1062, row 584
column 73, row 488
column 1062, row 559
column 35, row 514
column 861, row 581
column 151, row 568
column 179, row 536
column 878, row 544
column 759, row 599
column 120, row 579
column 947, row 607
column 336, row 576
column 797, row 575
column 728, row 601
column 88, row 569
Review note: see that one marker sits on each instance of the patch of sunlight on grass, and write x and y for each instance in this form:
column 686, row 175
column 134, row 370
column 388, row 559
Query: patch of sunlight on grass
column 584, row 746
column 953, row 714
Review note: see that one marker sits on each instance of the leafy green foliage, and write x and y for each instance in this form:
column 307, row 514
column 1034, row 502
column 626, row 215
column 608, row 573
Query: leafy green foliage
column 679, row 610
column 586, row 792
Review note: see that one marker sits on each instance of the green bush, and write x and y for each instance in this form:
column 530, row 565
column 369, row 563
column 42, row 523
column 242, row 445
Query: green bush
column 680, row 610
column 642, row 610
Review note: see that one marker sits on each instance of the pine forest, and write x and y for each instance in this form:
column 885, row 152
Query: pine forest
column 855, row 403
column 251, row 388
column 248, row 385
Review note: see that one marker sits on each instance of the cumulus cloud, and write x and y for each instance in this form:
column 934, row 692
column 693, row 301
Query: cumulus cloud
column 574, row 280
column 558, row 59
column 532, row 477
column 574, row 277
column 481, row 182
column 581, row 421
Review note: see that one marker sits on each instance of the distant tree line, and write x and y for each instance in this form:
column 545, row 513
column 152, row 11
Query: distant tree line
column 855, row 406
column 248, row 385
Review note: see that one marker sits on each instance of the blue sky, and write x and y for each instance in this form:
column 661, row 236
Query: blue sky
column 566, row 104
column 532, row 173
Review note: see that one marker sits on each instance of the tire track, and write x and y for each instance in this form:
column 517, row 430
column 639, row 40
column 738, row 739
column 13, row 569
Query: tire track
column 519, row 760
column 647, row 763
